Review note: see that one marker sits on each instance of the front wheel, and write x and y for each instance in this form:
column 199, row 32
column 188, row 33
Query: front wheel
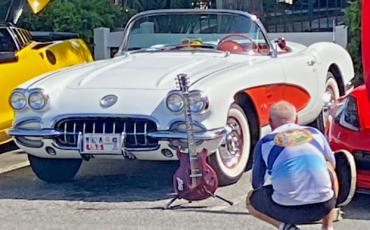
column 231, row 159
column 54, row 170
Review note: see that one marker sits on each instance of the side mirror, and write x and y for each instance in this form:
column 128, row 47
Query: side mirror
column 8, row 57
column 278, row 42
column 281, row 43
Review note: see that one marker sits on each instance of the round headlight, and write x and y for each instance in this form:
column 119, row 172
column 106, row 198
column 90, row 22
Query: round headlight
column 37, row 100
column 175, row 103
column 18, row 101
column 197, row 103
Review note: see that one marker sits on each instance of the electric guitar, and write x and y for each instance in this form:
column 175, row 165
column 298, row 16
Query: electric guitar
column 195, row 179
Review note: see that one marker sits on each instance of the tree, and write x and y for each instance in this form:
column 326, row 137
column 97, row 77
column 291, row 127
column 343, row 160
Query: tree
column 251, row 6
column 78, row 16
column 352, row 20
column 4, row 5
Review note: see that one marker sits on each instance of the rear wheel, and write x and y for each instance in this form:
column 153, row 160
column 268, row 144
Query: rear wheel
column 331, row 88
column 231, row 159
column 54, row 170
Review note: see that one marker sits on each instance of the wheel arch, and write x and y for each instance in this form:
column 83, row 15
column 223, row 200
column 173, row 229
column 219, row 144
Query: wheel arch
column 246, row 102
column 334, row 69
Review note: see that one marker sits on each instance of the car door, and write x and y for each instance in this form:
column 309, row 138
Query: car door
column 301, row 88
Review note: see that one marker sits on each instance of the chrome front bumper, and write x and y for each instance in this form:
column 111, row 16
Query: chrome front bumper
column 209, row 139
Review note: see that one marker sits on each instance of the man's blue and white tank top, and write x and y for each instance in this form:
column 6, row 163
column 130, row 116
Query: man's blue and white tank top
column 295, row 157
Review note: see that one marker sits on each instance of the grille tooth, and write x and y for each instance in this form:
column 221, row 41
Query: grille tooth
column 145, row 132
column 74, row 131
column 65, row 131
column 136, row 130
column 135, row 133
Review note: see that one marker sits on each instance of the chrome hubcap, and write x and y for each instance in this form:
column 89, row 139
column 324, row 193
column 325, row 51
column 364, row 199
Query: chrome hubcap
column 232, row 145
column 329, row 100
column 330, row 90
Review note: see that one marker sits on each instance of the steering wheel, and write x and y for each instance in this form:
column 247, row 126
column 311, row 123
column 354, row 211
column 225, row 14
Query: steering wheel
column 239, row 47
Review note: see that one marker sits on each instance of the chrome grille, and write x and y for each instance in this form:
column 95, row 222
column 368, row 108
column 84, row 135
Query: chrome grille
column 136, row 130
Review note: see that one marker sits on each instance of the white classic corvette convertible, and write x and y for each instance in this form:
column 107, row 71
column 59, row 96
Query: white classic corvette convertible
column 128, row 107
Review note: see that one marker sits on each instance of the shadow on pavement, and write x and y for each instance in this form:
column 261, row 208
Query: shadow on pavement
column 10, row 146
column 97, row 181
column 358, row 209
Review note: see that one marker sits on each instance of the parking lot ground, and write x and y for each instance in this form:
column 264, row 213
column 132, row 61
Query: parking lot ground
column 111, row 194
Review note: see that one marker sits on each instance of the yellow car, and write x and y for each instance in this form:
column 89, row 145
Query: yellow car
column 22, row 58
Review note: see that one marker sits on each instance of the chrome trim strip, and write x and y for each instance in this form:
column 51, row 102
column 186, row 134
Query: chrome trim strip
column 94, row 115
column 45, row 133
column 27, row 120
column 159, row 135
column 207, row 135
column 182, row 121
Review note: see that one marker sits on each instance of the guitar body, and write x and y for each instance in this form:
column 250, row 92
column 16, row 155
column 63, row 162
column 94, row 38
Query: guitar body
column 205, row 186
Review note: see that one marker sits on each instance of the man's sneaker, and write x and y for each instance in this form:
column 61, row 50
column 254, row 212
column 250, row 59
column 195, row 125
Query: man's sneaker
column 290, row 227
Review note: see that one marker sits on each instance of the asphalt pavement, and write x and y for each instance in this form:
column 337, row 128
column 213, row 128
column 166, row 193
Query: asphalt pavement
column 113, row 194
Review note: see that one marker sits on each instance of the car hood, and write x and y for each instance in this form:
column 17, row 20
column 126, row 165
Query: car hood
column 145, row 71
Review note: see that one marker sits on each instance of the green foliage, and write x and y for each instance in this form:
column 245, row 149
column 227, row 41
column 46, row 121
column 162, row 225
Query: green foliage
column 78, row 16
column 352, row 20
column 4, row 5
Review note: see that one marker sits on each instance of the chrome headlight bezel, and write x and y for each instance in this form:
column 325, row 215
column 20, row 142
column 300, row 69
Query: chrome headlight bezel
column 42, row 94
column 200, row 95
column 22, row 94
column 174, row 93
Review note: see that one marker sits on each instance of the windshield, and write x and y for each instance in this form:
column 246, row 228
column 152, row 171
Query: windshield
column 6, row 41
column 200, row 29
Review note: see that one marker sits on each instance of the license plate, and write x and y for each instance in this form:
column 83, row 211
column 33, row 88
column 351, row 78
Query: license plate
column 101, row 143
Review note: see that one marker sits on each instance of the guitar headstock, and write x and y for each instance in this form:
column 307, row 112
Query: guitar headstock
column 183, row 82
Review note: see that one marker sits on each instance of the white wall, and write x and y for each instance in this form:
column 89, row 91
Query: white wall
column 104, row 39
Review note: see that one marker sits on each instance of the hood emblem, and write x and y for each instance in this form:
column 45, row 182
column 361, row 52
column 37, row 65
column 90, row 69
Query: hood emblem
column 108, row 101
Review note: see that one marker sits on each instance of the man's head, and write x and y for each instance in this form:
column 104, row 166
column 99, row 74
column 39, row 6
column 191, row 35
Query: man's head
column 282, row 113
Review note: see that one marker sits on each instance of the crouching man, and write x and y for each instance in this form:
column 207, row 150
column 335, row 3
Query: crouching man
column 301, row 165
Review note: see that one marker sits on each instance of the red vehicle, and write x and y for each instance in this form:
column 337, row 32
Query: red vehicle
column 348, row 124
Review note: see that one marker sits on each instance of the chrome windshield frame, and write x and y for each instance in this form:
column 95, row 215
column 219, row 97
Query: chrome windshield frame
column 123, row 49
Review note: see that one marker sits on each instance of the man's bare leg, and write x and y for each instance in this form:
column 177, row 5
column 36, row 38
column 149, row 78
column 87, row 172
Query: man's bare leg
column 327, row 221
column 260, row 215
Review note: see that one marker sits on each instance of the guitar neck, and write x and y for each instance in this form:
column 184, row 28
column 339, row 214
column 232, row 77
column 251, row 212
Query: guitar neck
column 195, row 171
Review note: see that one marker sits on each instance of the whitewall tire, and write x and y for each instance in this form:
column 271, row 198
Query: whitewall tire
column 331, row 86
column 231, row 159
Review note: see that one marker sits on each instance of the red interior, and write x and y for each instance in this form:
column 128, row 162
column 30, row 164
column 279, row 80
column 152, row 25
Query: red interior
column 235, row 47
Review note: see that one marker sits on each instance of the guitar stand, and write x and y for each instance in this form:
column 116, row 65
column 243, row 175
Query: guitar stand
column 210, row 193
